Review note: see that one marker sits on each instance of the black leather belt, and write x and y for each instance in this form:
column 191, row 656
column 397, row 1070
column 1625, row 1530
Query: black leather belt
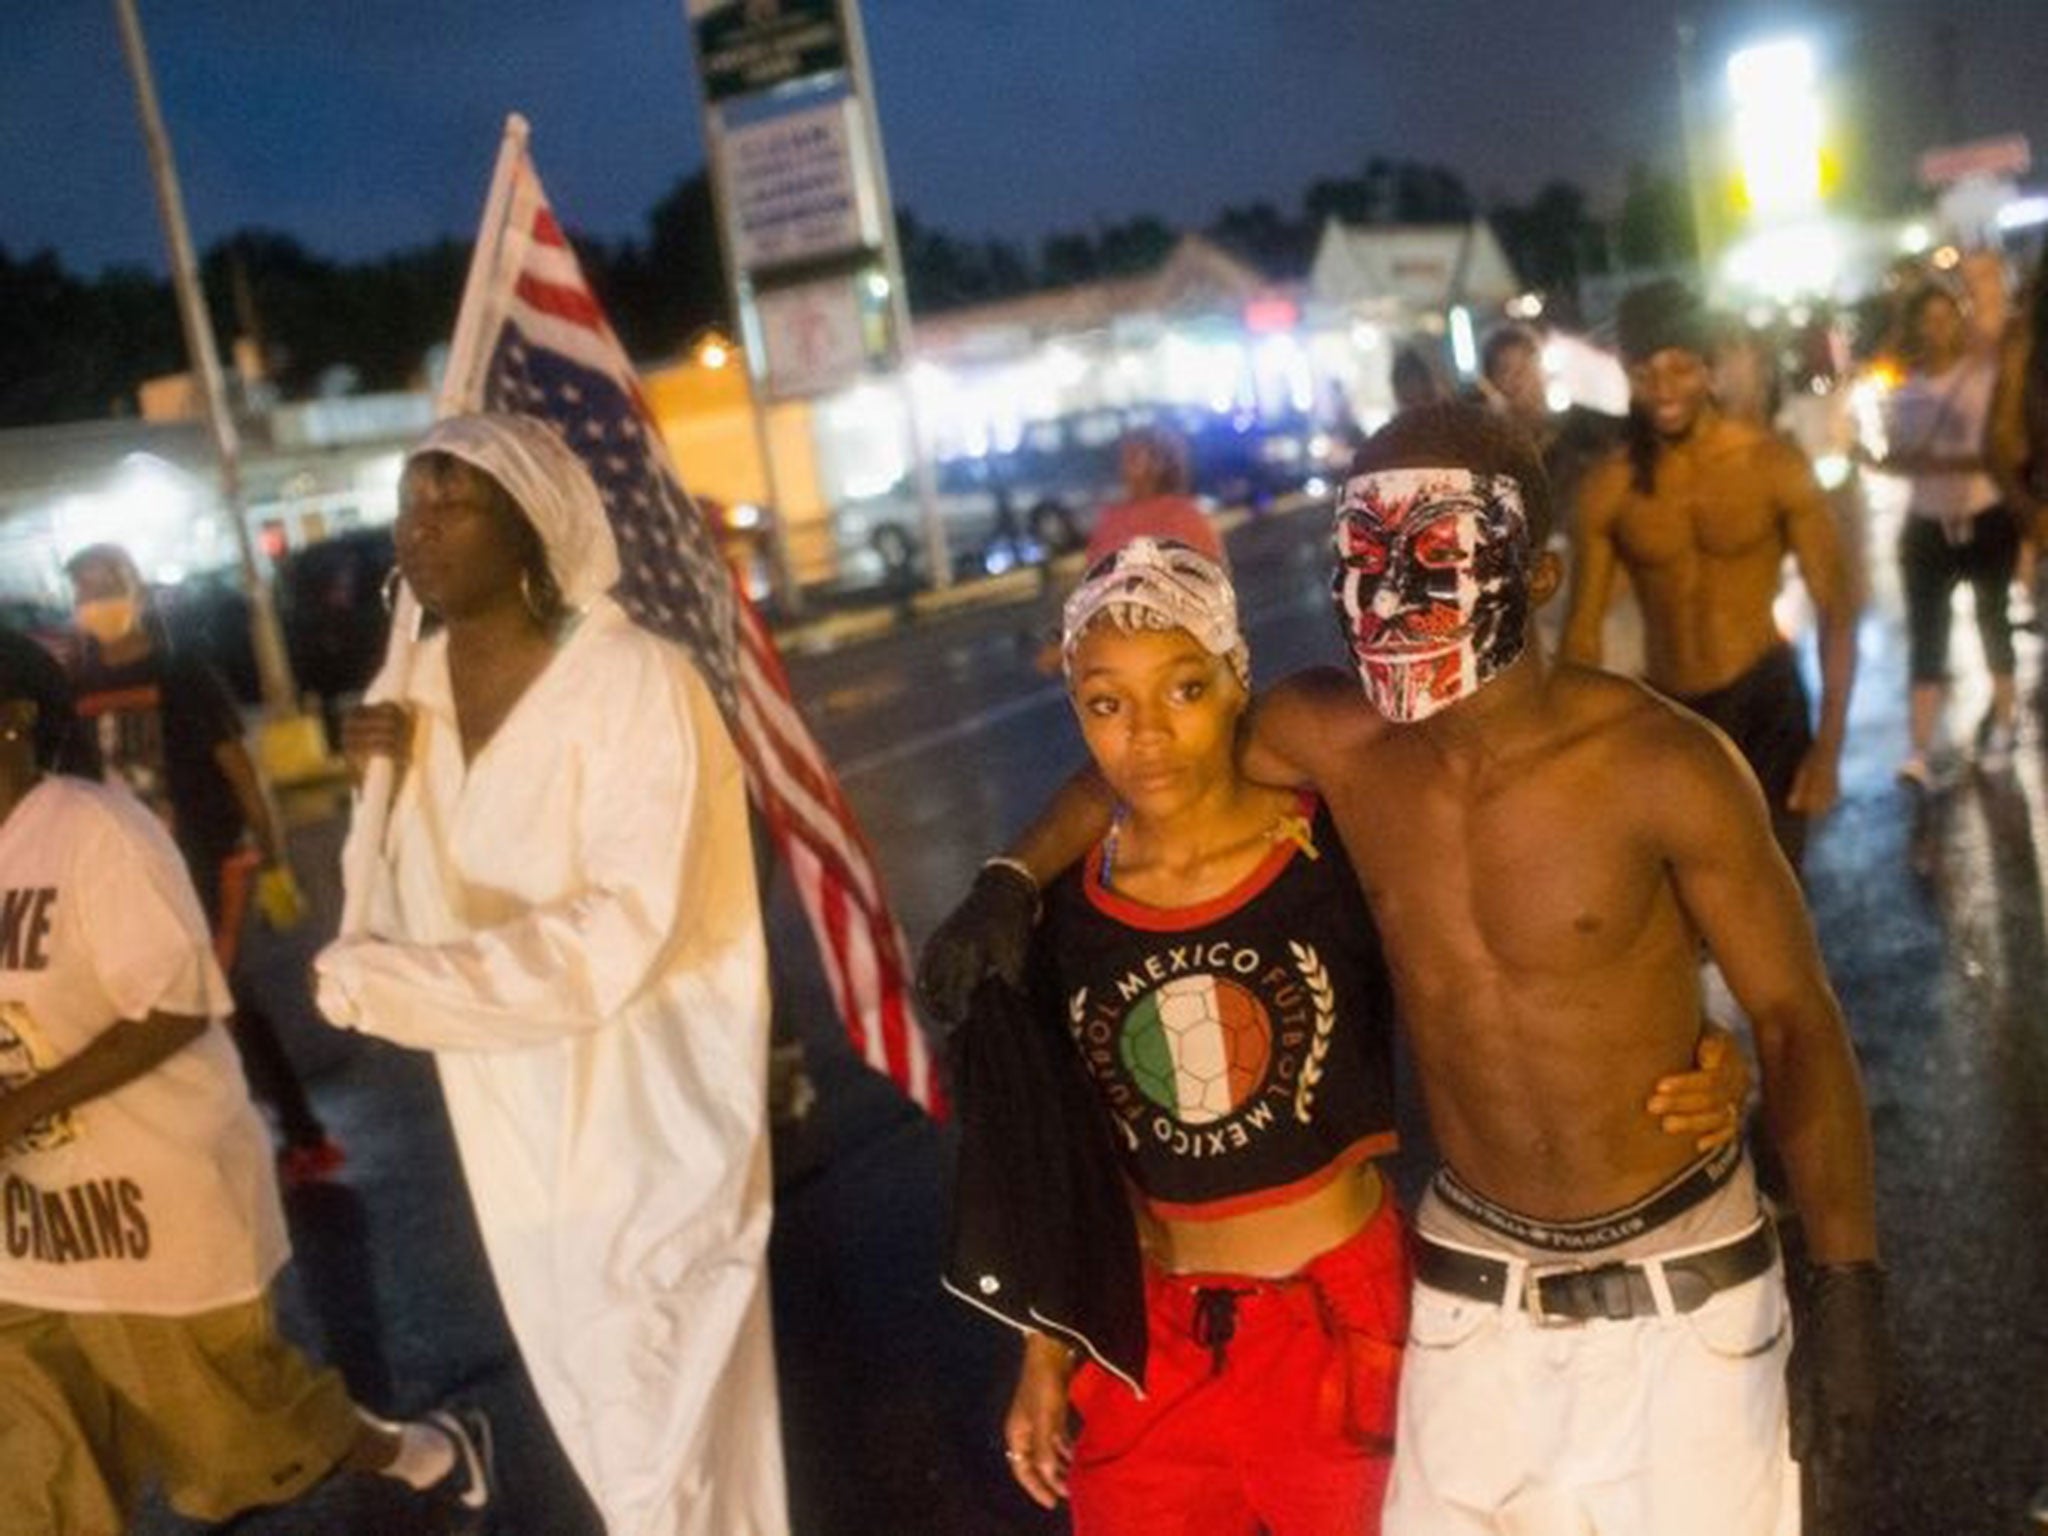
column 1567, row 1293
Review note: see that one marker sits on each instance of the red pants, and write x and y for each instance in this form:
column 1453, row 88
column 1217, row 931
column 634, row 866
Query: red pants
column 1269, row 1404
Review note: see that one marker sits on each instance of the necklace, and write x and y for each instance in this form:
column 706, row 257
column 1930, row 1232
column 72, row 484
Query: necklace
column 1287, row 827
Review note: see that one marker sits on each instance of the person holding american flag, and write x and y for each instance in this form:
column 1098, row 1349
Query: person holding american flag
column 562, row 908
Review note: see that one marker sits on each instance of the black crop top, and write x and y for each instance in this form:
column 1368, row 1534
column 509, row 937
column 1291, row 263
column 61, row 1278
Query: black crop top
column 1242, row 1048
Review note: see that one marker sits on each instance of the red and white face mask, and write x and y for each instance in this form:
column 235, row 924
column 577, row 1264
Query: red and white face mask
column 1431, row 584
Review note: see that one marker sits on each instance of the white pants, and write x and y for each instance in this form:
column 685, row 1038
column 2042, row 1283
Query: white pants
column 1670, row 1425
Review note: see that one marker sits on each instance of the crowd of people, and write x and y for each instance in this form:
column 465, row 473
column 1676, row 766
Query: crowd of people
column 1644, row 1333
column 1173, row 1001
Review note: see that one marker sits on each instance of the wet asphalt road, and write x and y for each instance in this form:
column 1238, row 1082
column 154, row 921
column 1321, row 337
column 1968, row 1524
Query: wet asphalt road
column 1931, row 912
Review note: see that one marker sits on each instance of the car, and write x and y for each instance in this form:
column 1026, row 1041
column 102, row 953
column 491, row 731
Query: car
column 1036, row 499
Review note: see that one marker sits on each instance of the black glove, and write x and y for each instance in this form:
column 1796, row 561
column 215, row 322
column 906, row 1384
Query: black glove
column 988, row 934
column 1840, row 1351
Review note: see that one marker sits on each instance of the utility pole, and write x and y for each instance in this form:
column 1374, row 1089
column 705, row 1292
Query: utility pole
column 280, row 696
column 1695, row 178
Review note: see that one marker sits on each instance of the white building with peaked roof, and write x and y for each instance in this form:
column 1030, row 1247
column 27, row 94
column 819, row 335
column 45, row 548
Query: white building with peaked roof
column 1419, row 269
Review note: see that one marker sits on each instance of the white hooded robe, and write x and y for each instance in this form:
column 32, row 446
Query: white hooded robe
column 570, row 924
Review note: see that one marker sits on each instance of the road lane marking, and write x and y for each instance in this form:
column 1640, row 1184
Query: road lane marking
column 916, row 746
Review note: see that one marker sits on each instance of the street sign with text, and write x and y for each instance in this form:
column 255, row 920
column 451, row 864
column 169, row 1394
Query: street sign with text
column 799, row 188
column 747, row 46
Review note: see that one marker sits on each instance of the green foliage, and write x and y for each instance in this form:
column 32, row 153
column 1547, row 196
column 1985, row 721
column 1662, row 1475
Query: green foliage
column 1552, row 239
column 71, row 348
column 1655, row 227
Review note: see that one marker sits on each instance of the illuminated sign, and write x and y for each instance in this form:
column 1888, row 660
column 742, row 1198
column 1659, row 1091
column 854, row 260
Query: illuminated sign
column 1778, row 127
column 747, row 46
column 799, row 188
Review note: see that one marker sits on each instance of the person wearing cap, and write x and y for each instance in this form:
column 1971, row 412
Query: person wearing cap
column 1700, row 511
column 164, row 725
column 1213, row 966
column 1598, row 1335
column 563, row 910
column 143, row 1233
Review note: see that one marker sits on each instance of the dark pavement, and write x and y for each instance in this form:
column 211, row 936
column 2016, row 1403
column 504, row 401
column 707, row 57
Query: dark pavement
column 1931, row 914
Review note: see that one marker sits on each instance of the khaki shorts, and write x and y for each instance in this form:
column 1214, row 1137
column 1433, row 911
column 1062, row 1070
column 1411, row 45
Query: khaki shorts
column 216, row 1407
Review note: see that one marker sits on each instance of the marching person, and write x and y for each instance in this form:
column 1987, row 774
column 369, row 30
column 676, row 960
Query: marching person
column 165, row 726
column 1158, row 498
column 1957, row 529
column 564, row 913
column 1700, row 510
column 1572, row 440
column 138, row 1344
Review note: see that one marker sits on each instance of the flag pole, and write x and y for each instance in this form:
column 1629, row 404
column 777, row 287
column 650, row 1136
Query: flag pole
column 462, row 383
column 461, row 390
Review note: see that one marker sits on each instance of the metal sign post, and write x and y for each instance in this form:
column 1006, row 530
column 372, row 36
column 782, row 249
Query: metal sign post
column 805, row 218
column 781, row 573
column 937, row 555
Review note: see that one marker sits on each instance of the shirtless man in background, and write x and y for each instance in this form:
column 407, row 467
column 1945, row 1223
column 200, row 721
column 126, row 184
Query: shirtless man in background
column 1700, row 511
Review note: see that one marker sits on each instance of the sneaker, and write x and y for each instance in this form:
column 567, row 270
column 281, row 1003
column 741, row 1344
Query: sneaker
column 310, row 1162
column 1915, row 774
column 1994, row 745
column 473, row 1479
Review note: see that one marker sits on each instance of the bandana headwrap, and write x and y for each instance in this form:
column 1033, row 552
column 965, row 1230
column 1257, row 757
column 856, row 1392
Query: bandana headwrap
column 1161, row 584
column 549, row 485
column 1431, row 584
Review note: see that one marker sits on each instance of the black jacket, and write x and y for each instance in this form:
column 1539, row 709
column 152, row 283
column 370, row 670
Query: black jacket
column 1042, row 1231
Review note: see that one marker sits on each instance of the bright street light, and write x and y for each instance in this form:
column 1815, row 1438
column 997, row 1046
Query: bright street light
column 1778, row 127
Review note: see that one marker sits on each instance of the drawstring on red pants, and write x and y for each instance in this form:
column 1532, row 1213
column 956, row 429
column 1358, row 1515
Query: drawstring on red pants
column 1215, row 1322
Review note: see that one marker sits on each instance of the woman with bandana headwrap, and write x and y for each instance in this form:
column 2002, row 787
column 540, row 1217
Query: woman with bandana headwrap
column 1215, row 967
column 564, row 912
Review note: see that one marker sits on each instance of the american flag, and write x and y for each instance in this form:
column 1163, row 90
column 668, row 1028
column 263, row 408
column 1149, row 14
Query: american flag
column 532, row 338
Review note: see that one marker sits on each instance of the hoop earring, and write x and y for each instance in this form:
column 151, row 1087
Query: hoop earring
column 533, row 608
column 389, row 591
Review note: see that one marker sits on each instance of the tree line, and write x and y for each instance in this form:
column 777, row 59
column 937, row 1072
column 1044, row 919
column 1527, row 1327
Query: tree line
column 73, row 348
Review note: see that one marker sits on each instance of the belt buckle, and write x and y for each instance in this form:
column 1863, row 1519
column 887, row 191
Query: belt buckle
column 1603, row 1289
column 1533, row 1276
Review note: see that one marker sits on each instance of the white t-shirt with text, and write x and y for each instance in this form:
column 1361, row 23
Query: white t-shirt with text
column 157, row 1198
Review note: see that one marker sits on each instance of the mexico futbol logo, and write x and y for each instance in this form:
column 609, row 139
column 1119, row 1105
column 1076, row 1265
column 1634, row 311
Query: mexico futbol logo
column 1198, row 1047
column 1201, row 1048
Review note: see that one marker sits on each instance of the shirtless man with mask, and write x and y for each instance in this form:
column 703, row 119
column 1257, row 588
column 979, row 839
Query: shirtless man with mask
column 1700, row 510
column 1599, row 1337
